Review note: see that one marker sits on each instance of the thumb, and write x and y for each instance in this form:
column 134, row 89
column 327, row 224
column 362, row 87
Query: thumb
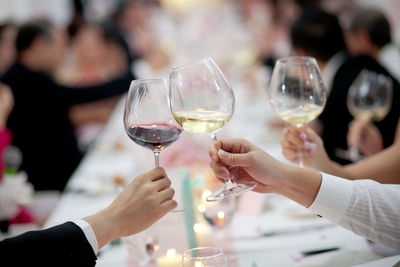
column 312, row 135
column 232, row 159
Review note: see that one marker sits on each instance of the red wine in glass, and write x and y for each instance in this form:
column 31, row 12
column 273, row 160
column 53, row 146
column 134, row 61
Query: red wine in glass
column 156, row 136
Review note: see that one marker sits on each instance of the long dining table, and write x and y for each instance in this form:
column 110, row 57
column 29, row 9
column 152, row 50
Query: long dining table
column 264, row 230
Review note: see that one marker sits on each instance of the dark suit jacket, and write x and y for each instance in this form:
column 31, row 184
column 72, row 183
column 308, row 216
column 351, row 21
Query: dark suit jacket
column 62, row 245
column 40, row 123
column 336, row 117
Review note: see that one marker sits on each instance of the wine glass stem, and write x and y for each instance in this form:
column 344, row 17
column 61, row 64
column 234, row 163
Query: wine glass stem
column 157, row 158
column 300, row 157
column 228, row 183
column 299, row 150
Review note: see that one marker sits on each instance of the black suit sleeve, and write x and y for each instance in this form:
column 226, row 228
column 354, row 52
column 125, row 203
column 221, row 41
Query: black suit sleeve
column 62, row 245
column 75, row 95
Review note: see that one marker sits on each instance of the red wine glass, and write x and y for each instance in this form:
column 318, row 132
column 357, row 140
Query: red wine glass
column 147, row 118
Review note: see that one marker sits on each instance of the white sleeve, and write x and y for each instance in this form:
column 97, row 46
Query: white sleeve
column 367, row 208
column 89, row 234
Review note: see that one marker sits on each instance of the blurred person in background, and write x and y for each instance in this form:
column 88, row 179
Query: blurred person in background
column 135, row 20
column 96, row 53
column 369, row 33
column 15, row 192
column 318, row 34
column 8, row 32
column 39, row 121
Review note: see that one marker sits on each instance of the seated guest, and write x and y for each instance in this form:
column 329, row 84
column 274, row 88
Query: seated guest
column 318, row 34
column 144, row 201
column 39, row 121
column 365, row 207
column 369, row 33
column 15, row 192
column 8, row 32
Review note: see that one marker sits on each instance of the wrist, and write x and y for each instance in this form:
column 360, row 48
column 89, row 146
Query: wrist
column 104, row 226
column 299, row 184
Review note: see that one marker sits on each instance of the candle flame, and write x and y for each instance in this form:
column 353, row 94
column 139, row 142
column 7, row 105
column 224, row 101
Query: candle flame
column 171, row 253
column 221, row 215
column 197, row 227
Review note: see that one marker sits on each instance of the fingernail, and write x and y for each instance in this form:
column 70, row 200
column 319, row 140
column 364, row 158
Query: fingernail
column 226, row 174
column 222, row 153
column 307, row 145
column 214, row 157
column 313, row 146
column 303, row 136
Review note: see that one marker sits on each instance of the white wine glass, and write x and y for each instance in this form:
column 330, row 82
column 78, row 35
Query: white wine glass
column 369, row 99
column 296, row 92
column 147, row 119
column 204, row 257
column 202, row 102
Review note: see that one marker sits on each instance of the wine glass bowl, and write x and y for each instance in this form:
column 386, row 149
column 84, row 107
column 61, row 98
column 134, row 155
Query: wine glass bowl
column 370, row 96
column 147, row 118
column 202, row 102
column 296, row 92
column 201, row 99
column 204, row 257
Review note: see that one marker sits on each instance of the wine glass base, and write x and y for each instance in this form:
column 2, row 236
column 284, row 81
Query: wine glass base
column 227, row 193
column 178, row 210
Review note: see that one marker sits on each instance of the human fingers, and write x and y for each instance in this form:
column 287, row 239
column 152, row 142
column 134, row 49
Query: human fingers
column 169, row 205
column 294, row 137
column 354, row 133
column 312, row 136
column 166, row 194
column 220, row 171
column 235, row 145
column 162, row 184
column 213, row 151
column 155, row 174
column 235, row 159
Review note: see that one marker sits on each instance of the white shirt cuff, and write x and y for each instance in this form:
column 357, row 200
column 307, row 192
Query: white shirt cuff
column 333, row 198
column 89, row 234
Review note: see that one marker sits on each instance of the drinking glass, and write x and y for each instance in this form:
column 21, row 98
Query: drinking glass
column 217, row 214
column 369, row 99
column 202, row 102
column 296, row 92
column 147, row 118
column 204, row 257
column 142, row 246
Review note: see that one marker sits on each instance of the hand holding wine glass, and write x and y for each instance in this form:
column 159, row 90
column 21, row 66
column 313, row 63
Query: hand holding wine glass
column 202, row 101
column 369, row 99
column 296, row 91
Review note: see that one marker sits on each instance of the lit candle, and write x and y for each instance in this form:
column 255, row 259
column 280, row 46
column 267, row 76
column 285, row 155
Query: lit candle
column 171, row 259
column 203, row 235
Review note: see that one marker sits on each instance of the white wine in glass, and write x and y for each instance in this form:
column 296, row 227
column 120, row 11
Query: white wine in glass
column 202, row 102
column 296, row 92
